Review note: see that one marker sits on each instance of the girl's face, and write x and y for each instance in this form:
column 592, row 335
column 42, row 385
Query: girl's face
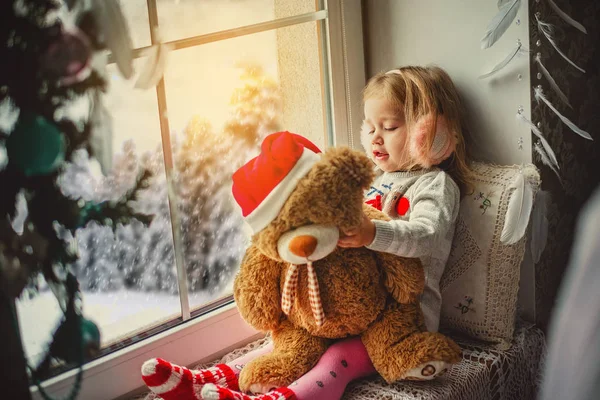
column 384, row 135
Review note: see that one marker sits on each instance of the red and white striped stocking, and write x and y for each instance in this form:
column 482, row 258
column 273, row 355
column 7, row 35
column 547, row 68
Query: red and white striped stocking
column 173, row 382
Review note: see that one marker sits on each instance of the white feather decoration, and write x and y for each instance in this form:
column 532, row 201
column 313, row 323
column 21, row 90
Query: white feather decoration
column 539, row 95
column 539, row 225
column 566, row 17
column 501, row 3
column 500, row 23
column 546, row 159
column 113, row 26
column 516, row 51
column 518, row 211
column 543, row 141
column 154, row 68
column 550, row 79
column 546, row 29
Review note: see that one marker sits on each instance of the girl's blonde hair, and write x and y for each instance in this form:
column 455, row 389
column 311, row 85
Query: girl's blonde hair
column 418, row 91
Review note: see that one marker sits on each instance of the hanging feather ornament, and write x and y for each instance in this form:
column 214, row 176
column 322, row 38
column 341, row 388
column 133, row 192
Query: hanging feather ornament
column 539, row 95
column 500, row 23
column 550, row 79
column 515, row 52
column 113, row 26
column 518, row 211
column 546, row 146
column 566, row 17
column 539, row 225
column 154, row 67
column 546, row 29
column 501, row 3
column 101, row 133
column 539, row 149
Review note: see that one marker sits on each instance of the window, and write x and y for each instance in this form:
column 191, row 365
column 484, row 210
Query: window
column 238, row 69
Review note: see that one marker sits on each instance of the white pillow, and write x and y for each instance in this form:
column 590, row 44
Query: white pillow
column 481, row 280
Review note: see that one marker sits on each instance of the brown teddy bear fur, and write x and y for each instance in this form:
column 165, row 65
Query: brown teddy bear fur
column 367, row 293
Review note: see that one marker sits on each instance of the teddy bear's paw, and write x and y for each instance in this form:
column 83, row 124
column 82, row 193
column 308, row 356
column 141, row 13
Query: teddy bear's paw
column 427, row 371
column 255, row 382
column 261, row 388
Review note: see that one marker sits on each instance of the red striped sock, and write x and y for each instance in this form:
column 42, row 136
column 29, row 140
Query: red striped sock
column 172, row 382
column 214, row 392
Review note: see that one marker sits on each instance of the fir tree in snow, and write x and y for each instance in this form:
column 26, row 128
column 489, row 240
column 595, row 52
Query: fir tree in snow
column 141, row 256
column 212, row 228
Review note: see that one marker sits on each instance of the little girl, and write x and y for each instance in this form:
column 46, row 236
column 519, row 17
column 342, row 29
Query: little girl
column 413, row 131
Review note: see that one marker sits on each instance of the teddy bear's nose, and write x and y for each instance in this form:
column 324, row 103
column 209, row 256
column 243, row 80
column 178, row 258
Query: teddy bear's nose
column 303, row 245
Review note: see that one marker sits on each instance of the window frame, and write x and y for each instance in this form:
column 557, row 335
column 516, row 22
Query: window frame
column 343, row 72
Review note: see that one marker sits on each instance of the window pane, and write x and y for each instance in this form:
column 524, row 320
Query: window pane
column 180, row 19
column 219, row 111
column 128, row 278
column 136, row 13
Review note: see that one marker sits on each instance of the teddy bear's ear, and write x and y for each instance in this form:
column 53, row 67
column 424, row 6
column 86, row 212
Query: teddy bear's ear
column 350, row 164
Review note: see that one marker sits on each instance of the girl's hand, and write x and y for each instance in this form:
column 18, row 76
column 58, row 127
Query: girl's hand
column 360, row 236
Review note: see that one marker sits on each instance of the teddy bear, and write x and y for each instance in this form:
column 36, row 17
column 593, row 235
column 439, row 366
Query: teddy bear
column 297, row 284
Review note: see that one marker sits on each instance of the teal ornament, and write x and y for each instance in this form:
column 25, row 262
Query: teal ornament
column 88, row 212
column 36, row 146
column 63, row 345
column 90, row 336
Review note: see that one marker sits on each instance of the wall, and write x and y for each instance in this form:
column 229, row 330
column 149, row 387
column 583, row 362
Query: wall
column 299, row 69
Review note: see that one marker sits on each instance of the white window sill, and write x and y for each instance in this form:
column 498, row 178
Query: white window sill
column 118, row 373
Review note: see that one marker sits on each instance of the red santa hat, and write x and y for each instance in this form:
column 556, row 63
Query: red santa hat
column 262, row 186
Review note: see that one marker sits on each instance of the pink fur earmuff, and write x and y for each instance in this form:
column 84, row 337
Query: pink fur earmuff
column 443, row 144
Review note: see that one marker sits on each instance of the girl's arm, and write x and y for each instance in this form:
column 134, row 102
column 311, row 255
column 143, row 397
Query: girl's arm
column 434, row 208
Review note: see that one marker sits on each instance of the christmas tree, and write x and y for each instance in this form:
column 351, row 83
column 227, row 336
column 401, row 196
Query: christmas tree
column 51, row 86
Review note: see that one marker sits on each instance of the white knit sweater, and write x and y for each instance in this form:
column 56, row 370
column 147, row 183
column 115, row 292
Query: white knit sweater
column 421, row 227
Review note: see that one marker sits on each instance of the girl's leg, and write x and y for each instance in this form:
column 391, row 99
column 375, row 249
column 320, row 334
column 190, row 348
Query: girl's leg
column 343, row 362
column 173, row 382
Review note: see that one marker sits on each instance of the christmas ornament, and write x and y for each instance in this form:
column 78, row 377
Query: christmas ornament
column 539, row 96
column 500, row 23
column 62, row 345
column 154, row 68
column 112, row 27
column 36, row 146
column 67, row 60
column 519, row 209
column 518, row 50
column 547, row 29
column 551, row 81
column 89, row 211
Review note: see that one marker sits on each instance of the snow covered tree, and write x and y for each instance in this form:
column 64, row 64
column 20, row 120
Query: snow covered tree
column 212, row 227
column 139, row 256
column 212, row 230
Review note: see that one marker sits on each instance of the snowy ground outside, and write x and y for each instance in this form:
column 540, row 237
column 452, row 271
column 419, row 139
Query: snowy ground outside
column 118, row 314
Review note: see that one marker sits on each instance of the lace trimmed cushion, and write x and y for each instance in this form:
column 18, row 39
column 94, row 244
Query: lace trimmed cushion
column 481, row 280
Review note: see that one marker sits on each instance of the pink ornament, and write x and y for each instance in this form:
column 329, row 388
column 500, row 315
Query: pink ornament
column 67, row 60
